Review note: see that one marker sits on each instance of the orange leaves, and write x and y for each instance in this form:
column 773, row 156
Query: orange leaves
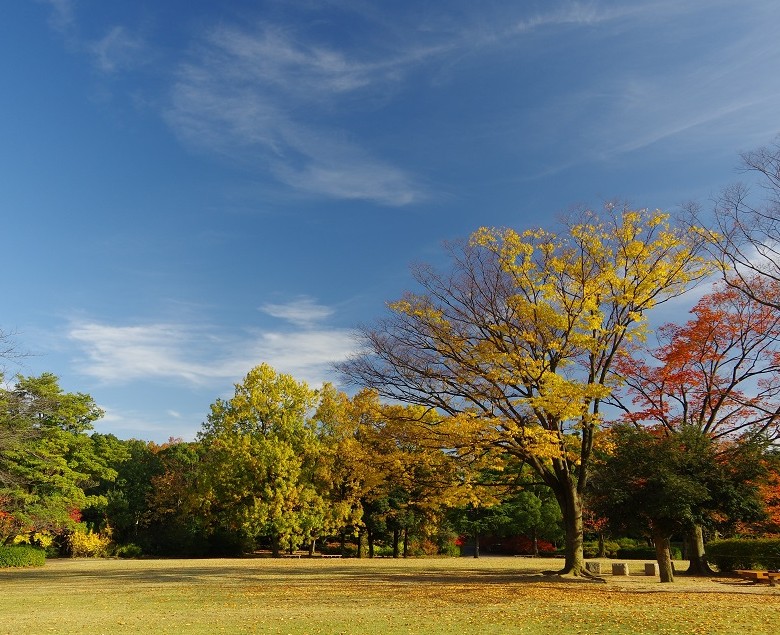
column 770, row 493
column 717, row 372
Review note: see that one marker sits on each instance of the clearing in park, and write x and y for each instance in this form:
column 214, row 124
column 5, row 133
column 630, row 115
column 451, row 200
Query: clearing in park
column 457, row 596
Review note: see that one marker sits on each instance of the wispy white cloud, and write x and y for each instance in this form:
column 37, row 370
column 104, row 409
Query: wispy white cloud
column 276, row 98
column 121, row 354
column 308, row 355
column 245, row 92
column 303, row 312
column 61, row 17
column 712, row 96
column 117, row 50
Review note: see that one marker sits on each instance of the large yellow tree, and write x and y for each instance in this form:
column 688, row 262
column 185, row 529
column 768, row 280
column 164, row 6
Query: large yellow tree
column 260, row 450
column 514, row 346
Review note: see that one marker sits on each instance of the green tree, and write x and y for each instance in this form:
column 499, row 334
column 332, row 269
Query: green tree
column 46, row 474
column 175, row 522
column 535, row 513
column 669, row 483
column 260, row 453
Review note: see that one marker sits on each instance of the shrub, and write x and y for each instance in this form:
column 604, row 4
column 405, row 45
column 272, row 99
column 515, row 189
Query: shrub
column 451, row 549
column 42, row 539
column 383, row 550
column 645, row 553
column 129, row 551
column 89, row 545
column 744, row 553
column 423, row 547
column 591, row 548
column 21, row 556
column 525, row 546
column 628, row 543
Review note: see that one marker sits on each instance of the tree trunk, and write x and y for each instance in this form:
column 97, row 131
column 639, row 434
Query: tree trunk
column 312, row 545
column 360, row 543
column 571, row 508
column 396, row 538
column 534, row 543
column 476, row 544
column 663, row 554
column 406, row 542
column 275, row 545
column 602, row 547
column 696, row 553
column 370, row 543
column 343, row 543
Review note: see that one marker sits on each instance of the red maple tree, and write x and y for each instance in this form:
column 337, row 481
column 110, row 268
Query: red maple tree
column 718, row 372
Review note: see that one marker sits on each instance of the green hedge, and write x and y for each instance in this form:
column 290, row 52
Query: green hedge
column 21, row 556
column 645, row 553
column 743, row 553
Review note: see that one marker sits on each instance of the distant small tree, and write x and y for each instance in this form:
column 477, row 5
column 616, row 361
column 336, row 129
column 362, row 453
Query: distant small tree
column 537, row 515
column 668, row 483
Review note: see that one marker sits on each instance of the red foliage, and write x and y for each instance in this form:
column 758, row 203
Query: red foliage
column 719, row 371
column 593, row 523
column 515, row 545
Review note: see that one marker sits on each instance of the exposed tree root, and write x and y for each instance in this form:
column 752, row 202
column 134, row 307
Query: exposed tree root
column 701, row 571
column 582, row 575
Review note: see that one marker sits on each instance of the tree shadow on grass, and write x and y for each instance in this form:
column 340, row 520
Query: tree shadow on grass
column 162, row 572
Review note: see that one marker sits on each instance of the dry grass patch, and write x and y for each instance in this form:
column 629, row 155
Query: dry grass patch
column 436, row 597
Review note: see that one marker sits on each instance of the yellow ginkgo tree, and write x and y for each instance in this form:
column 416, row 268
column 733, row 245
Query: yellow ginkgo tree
column 515, row 344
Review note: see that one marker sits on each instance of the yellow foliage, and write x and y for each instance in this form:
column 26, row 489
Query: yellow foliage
column 41, row 539
column 541, row 443
column 535, row 346
column 89, row 544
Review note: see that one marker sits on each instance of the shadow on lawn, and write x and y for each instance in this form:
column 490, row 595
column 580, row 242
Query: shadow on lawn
column 162, row 572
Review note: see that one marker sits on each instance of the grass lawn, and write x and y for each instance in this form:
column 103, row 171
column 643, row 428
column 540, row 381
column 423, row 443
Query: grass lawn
column 458, row 596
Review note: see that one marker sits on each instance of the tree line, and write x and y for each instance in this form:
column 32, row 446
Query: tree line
column 279, row 466
column 524, row 373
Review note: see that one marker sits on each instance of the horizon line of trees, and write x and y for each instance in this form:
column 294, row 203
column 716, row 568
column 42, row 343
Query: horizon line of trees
column 282, row 467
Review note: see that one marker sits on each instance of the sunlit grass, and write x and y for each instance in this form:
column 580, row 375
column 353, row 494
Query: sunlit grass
column 437, row 596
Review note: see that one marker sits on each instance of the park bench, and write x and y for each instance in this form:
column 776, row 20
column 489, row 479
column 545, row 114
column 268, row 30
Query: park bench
column 756, row 575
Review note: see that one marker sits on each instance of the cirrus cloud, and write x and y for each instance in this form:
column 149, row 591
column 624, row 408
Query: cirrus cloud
column 196, row 355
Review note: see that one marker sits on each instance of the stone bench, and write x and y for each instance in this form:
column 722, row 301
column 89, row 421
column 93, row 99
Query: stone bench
column 651, row 568
column 593, row 567
column 620, row 568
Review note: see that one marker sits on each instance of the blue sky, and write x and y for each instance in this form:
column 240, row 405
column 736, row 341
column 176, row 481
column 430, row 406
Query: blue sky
column 191, row 188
